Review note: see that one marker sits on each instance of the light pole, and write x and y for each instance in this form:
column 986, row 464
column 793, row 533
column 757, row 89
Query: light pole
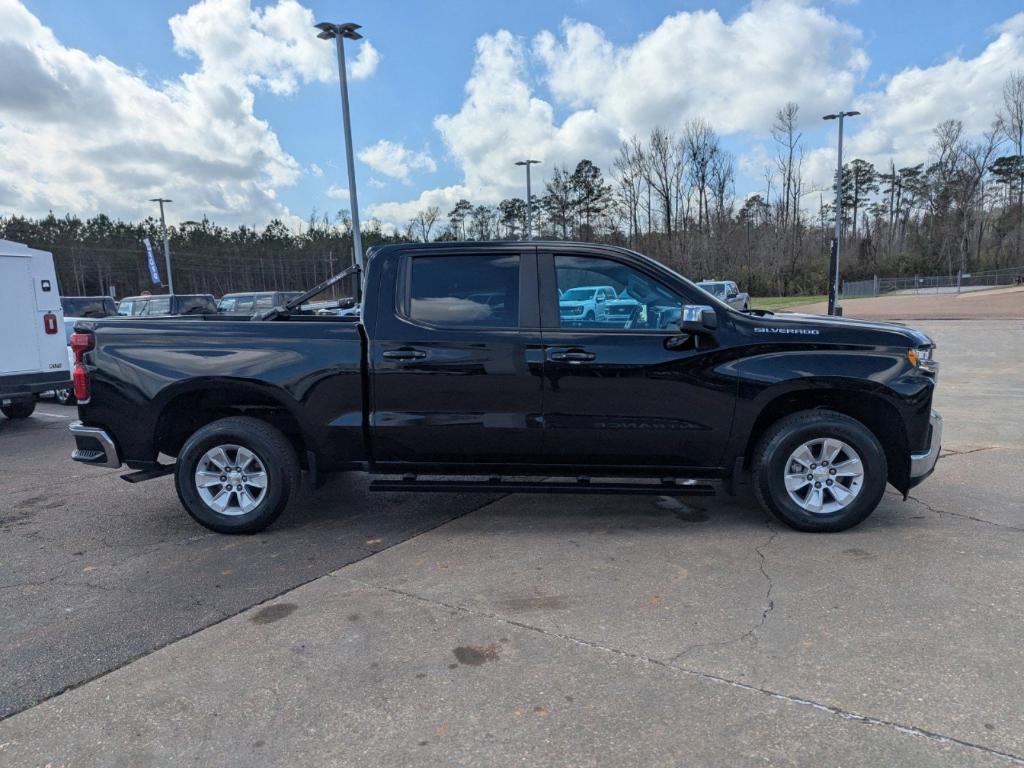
column 167, row 248
column 833, row 267
column 339, row 33
column 529, row 197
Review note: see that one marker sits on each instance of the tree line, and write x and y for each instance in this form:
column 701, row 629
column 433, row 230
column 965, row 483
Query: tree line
column 669, row 195
column 98, row 254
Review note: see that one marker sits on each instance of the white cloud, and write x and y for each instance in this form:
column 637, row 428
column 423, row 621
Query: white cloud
column 338, row 193
column 316, row 170
column 501, row 121
column 898, row 121
column 395, row 160
column 735, row 74
column 395, row 215
column 79, row 133
column 366, row 61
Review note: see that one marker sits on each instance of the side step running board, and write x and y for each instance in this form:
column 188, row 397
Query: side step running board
column 667, row 487
column 148, row 474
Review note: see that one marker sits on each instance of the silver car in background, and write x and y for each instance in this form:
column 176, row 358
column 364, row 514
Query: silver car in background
column 727, row 291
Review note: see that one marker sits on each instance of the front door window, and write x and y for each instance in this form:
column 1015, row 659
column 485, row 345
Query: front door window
column 601, row 294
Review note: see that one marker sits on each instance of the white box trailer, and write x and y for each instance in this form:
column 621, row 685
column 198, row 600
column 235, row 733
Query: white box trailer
column 33, row 350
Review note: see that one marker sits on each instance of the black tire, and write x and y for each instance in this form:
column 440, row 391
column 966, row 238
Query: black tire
column 19, row 410
column 784, row 437
column 269, row 445
column 65, row 396
column 589, row 317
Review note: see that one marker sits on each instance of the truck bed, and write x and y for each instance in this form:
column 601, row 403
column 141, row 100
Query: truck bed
column 160, row 373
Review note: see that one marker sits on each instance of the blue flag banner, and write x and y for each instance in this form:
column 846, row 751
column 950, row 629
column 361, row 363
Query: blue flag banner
column 154, row 273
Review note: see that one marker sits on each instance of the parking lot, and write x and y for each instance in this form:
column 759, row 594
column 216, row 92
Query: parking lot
column 469, row 630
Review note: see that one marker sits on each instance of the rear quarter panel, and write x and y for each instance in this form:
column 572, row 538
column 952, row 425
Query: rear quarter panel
column 313, row 369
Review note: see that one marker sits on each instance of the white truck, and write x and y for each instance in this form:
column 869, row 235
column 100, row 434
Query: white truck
column 33, row 350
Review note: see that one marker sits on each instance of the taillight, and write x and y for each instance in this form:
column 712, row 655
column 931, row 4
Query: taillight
column 50, row 323
column 80, row 344
column 80, row 379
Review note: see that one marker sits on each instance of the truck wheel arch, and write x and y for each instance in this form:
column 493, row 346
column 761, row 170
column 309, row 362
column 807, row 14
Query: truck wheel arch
column 869, row 409
column 187, row 409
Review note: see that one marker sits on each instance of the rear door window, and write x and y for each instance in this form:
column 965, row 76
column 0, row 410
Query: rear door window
column 465, row 291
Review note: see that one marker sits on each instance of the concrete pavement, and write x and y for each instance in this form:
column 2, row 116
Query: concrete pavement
column 95, row 572
column 993, row 304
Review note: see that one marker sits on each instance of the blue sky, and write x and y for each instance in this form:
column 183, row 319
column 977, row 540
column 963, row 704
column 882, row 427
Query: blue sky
column 869, row 53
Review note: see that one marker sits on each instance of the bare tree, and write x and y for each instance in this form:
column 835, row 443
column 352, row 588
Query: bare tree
column 629, row 170
column 701, row 147
column 664, row 171
column 424, row 221
column 789, row 159
column 1011, row 118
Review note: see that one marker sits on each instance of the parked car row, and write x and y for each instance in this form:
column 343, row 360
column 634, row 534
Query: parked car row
column 163, row 305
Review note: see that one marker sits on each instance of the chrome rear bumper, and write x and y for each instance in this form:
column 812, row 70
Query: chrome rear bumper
column 922, row 464
column 94, row 446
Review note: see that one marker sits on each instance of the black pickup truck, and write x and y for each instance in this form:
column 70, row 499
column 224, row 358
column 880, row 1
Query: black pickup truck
column 467, row 368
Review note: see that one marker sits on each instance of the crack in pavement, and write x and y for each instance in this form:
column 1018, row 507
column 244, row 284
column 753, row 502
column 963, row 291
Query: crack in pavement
column 950, row 452
column 962, row 516
column 845, row 714
column 769, row 604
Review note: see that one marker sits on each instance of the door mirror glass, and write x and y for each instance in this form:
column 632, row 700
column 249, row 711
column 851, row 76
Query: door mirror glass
column 698, row 318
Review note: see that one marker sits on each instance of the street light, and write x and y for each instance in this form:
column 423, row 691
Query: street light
column 167, row 248
column 529, row 197
column 339, row 33
column 833, row 268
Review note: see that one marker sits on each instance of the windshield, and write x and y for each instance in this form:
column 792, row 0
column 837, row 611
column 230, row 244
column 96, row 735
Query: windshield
column 88, row 306
column 578, row 294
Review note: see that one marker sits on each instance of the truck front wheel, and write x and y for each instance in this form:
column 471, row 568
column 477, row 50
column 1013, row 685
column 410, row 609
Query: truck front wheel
column 236, row 475
column 819, row 471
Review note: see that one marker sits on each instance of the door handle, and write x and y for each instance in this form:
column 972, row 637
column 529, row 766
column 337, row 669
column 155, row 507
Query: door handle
column 572, row 356
column 404, row 354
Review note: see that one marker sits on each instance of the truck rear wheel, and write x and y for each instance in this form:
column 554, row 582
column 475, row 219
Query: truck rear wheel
column 20, row 409
column 819, row 471
column 236, row 475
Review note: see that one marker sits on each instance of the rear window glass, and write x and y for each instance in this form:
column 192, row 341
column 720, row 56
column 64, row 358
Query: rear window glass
column 88, row 306
column 480, row 291
column 196, row 305
column 159, row 306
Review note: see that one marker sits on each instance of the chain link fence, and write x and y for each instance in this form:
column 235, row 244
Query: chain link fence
column 956, row 283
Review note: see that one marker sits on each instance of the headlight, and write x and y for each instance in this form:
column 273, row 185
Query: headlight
column 923, row 359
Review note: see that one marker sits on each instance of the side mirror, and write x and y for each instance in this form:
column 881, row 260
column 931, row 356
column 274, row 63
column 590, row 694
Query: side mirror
column 732, row 295
column 698, row 318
